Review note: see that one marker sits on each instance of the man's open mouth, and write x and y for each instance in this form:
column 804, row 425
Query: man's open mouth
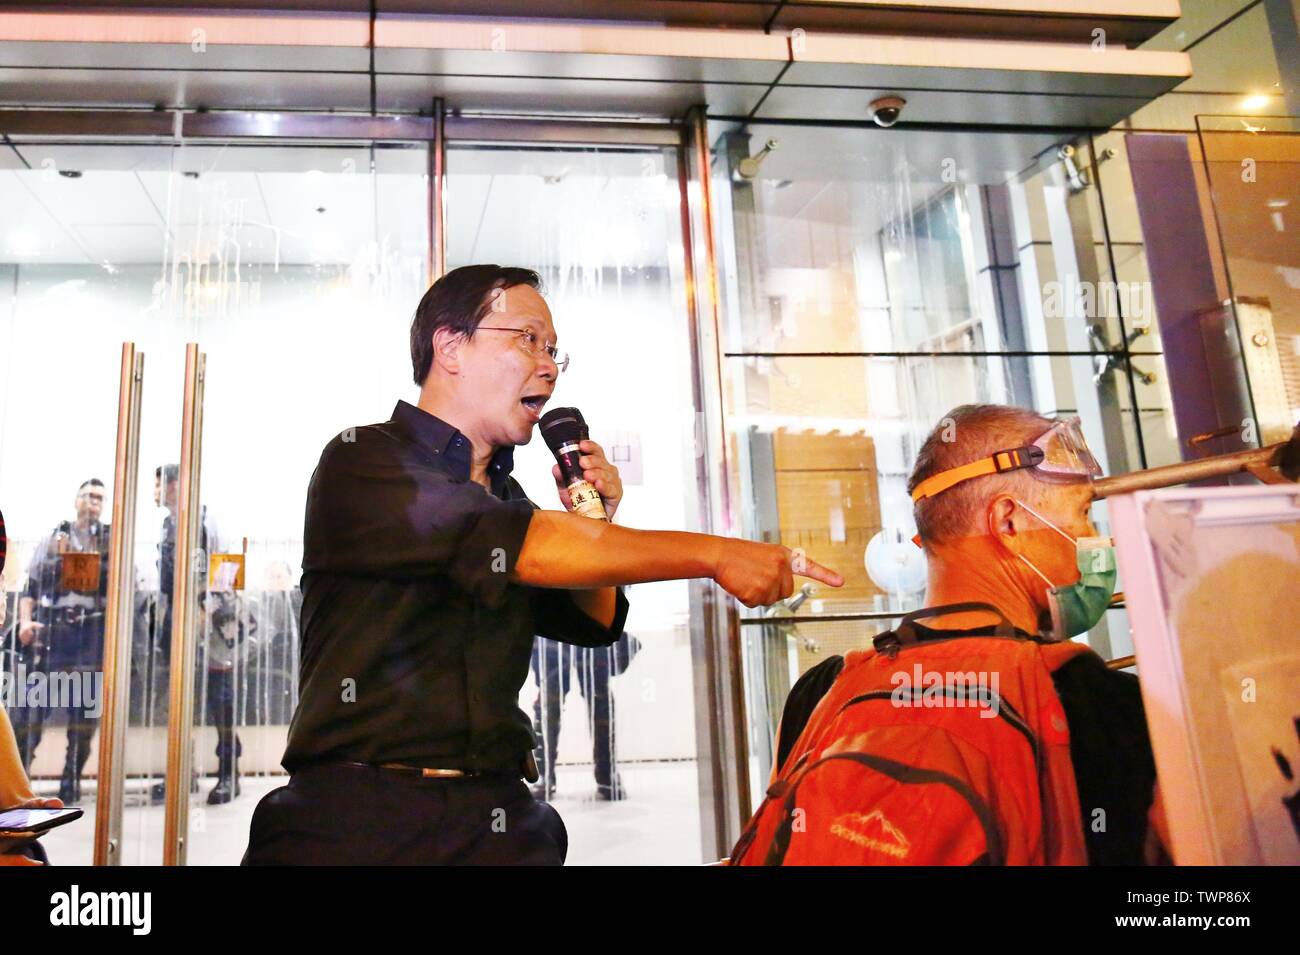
column 534, row 404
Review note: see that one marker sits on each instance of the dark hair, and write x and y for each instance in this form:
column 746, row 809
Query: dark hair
column 167, row 473
column 91, row 482
column 458, row 301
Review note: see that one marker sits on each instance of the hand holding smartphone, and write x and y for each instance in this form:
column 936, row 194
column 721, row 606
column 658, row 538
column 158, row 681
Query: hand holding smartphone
column 19, row 826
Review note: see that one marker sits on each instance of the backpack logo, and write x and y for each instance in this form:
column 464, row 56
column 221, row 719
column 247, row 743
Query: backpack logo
column 872, row 831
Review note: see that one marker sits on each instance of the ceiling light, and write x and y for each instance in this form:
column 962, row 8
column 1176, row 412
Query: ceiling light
column 1257, row 101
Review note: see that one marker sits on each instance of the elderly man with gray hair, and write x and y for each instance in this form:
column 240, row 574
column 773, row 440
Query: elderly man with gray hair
column 1001, row 500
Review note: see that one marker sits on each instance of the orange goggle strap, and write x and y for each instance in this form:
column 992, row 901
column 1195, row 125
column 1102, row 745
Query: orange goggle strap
column 1008, row 460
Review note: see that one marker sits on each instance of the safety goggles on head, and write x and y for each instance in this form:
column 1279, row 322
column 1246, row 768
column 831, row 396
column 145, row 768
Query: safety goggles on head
column 1059, row 453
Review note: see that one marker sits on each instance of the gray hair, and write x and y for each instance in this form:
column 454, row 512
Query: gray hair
column 968, row 433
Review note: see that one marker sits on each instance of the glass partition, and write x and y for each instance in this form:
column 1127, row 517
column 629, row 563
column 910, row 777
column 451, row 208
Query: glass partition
column 872, row 281
column 1253, row 168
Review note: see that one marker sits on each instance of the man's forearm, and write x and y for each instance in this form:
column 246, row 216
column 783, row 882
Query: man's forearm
column 25, row 609
column 565, row 550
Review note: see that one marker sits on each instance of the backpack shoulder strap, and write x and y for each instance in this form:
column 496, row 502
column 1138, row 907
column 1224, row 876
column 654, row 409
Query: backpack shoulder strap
column 803, row 699
column 905, row 634
column 1058, row 653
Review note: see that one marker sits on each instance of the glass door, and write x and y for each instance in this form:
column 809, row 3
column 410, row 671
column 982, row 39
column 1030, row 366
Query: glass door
column 603, row 227
column 295, row 268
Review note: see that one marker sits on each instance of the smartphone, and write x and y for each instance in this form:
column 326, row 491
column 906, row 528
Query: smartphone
column 18, row 821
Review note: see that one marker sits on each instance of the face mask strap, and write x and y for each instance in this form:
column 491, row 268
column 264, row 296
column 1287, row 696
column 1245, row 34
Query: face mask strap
column 1072, row 540
column 1041, row 575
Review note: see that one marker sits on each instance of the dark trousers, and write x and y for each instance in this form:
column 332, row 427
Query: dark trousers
column 336, row 814
column 551, row 661
column 220, row 709
column 29, row 721
column 29, row 727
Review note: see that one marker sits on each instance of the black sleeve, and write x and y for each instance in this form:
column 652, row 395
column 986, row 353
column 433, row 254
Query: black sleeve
column 803, row 699
column 375, row 511
column 1114, row 768
column 558, row 618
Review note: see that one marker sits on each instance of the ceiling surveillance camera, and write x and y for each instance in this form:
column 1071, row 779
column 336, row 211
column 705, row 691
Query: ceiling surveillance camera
column 886, row 110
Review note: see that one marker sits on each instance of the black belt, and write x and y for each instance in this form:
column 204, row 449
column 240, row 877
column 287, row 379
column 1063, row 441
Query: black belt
column 73, row 616
column 527, row 770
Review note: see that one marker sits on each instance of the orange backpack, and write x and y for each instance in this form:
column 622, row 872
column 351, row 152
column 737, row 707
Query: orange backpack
column 949, row 751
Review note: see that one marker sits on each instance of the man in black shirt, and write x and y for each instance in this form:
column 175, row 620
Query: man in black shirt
column 427, row 574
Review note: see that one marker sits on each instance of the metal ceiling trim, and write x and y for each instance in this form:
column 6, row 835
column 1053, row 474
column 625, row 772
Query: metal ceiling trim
column 88, row 123
column 179, row 124
column 269, row 125
column 1129, row 21
column 314, row 126
column 991, row 56
column 173, row 34
column 489, row 129
column 177, row 28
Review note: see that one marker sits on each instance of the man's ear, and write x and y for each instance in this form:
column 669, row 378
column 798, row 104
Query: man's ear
column 1002, row 523
column 446, row 349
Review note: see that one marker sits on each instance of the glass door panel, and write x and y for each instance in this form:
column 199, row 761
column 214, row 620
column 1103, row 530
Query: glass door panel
column 603, row 229
column 299, row 267
column 296, row 269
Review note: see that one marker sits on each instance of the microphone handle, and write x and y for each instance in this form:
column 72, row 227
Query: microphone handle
column 583, row 495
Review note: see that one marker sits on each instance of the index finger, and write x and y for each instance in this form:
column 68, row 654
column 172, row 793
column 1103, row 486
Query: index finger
column 810, row 568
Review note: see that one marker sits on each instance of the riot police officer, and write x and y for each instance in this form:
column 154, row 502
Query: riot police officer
column 166, row 494
column 231, row 637
column 61, row 631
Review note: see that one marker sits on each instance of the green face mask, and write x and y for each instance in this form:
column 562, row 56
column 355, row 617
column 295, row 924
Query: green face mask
column 1077, row 607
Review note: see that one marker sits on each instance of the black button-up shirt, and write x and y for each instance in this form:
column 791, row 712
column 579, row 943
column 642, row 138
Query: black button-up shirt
column 415, row 643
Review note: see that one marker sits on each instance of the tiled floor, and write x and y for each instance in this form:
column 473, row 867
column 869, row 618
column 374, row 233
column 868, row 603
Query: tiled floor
column 657, row 825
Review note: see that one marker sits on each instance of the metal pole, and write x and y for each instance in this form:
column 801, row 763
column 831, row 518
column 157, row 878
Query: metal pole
column 719, row 642
column 1251, row 461
column 438, row 193
column 190, row 562
column 119, row 614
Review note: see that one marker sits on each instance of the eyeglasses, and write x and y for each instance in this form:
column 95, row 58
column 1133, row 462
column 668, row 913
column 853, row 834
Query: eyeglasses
column 530, row 343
